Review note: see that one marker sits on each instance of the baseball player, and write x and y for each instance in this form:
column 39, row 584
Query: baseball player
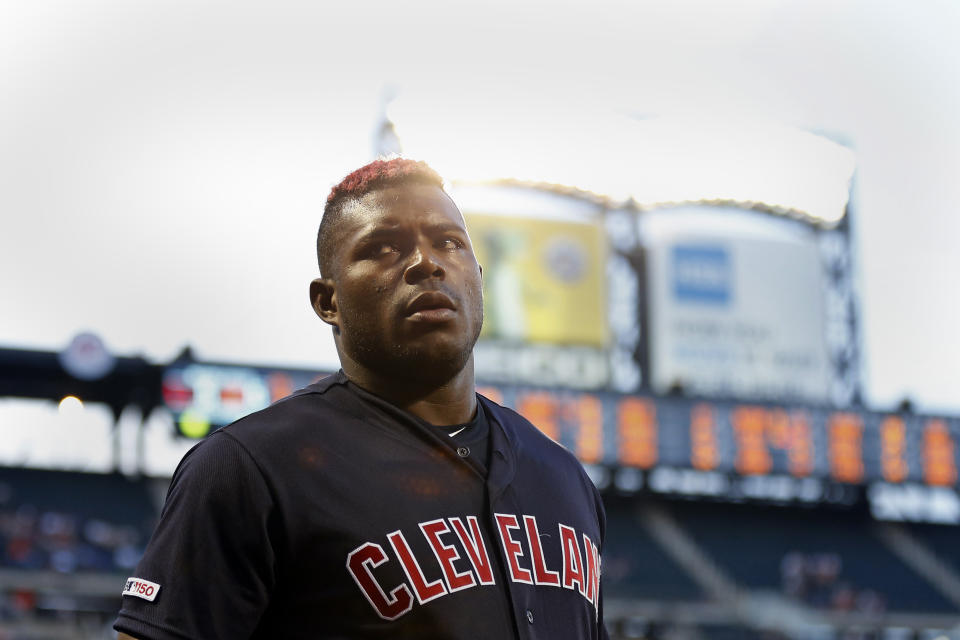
column 389, row 500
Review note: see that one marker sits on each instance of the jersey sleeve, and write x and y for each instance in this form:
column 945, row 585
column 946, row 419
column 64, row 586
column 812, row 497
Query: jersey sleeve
column 603, row 634
column 210, row 560
column 602, row 521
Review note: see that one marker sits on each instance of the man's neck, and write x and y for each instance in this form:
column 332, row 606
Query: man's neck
column 453, row 401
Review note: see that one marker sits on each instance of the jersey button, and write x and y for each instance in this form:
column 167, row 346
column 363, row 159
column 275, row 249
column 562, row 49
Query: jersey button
column 529, row 616
column 463, row 452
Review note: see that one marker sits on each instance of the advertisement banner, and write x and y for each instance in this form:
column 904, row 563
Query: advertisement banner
column 543, row 280
column 736, row 306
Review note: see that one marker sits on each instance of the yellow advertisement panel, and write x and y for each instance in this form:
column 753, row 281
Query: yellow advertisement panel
column 543, row 280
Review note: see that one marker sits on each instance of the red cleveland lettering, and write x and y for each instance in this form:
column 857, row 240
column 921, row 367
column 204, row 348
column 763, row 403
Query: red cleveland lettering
column 580, row 572
column 475, row 546
column 360, row 563
column 572, row 562
column 425, row 591
column 541, row 574
column 446, row 555
column 511, row 548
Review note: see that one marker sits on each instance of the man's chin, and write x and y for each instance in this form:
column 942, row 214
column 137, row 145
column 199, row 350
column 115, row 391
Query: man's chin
column 422, row 358
column 430, row 361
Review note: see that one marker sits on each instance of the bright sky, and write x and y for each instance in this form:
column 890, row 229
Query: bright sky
column 163, row 164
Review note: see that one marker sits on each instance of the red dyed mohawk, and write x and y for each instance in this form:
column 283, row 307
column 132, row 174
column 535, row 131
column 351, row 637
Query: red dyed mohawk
column 377, row 174
column 380, row 173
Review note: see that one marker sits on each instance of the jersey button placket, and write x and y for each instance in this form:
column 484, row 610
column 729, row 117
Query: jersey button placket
column 463, row 452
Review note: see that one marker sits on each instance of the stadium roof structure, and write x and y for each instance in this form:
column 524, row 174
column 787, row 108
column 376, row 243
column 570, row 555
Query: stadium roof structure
column 620, row 161
column 130, row 381
column 609, row 202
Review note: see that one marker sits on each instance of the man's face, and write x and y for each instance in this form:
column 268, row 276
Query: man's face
column 407, row 291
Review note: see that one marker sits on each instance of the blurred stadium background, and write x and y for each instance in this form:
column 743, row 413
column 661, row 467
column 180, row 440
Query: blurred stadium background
column 672, row 275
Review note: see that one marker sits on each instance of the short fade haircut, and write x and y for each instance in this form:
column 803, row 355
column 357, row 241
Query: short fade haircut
column 376, row 175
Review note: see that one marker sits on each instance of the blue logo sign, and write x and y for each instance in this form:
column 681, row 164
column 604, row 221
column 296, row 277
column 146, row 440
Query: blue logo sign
column 701, row 274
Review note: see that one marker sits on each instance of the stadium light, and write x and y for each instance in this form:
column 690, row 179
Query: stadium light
column 70, row 405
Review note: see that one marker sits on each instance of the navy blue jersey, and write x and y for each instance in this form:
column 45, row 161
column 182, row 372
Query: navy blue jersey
column 333, row 515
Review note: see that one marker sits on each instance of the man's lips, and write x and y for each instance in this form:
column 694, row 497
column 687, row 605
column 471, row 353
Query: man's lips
column 431, row 306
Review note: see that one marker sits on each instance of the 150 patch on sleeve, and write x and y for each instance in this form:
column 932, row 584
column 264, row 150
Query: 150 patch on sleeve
column 141, row 588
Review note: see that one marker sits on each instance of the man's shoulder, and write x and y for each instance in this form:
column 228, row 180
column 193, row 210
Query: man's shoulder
column 316, row 405
column 535, row 450
column 524, row 435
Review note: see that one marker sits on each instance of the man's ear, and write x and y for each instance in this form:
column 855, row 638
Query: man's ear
column 323, row 299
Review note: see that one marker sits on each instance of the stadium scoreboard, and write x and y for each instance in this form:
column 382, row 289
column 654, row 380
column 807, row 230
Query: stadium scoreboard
column 846, row 446
column 904, row 464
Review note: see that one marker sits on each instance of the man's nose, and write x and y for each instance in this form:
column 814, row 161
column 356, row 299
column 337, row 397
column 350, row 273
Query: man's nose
column 423, row 264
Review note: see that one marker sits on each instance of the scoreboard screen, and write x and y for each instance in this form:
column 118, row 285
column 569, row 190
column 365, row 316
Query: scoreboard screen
column 905, row 464
column 851, row 447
